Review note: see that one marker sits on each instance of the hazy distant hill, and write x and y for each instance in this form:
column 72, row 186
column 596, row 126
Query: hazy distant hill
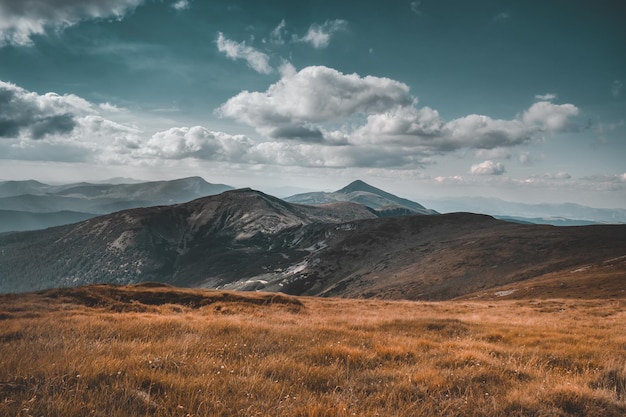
column 384, row 203
column 555, row 214
column 42, row 200
column 247, row 240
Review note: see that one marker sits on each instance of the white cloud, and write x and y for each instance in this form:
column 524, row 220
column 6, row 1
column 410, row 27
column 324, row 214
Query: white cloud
column 319, row 35
column 616, row 88
column 181, row 4
column 256, row 60
column 321, row 106
column 488, row 168
column 277, row 34
column 453, row 179
column 415, row 7
column 548, row 116
column 546, row 97
column 196, row 142
column 314, row 95
column 21, row 19
column 59, row 127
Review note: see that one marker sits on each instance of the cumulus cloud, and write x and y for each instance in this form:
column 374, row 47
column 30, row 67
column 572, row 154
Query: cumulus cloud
column 33, row 116
column 312, row 96
column 196, row 142
column 488, row 168
column 319, row 35
column 59, row 127
column 324, row 107
column 21, row 19
column 255, row 59
column 548, row 116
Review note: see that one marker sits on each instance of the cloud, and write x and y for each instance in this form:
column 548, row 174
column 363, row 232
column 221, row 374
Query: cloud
column 319, row 35
column 546, row 97
column 423, row 128
column 323, row 107
column 488, row 168
column 561, row 175
column 196, row 142
column 277, row 34
column 311, row 96
column 32, row 116
column 549, row 117
column 415, row 7
column 21, row 19
column 181, row 5
column 496, row 153
column 59, row 127
column 525, row 159
column 616, row 88
column 256, row 60
column 501, row 17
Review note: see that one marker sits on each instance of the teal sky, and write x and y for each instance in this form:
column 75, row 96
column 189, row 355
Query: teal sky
column 522, row 100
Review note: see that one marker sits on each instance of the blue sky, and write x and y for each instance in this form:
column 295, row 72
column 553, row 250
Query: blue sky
column 521, row 100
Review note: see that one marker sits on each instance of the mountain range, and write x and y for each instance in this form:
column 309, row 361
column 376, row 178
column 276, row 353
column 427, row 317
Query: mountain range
column 31, row 205
column 564, row 214
column 247, row 240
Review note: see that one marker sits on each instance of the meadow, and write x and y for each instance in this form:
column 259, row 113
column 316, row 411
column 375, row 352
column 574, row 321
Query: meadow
column 160, row 351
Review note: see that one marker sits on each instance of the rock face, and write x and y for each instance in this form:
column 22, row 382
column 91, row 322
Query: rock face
column 247, row 240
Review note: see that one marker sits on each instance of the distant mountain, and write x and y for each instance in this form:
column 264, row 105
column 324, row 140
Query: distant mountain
column 14, row 188
column 247, row 240
column 384, row 203
column 91, row 199
column 555, row 214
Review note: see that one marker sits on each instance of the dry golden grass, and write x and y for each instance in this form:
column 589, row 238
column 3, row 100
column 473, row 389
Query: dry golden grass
column 158, row 351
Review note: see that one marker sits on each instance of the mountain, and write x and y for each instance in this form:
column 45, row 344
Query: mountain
column 41, row 200
column 385, row 204
column 555, row 214
column 247, row 240
column 13, row 188
column 206, row 242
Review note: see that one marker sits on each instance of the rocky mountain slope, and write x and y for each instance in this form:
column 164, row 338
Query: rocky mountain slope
column 386, row 204
column 207, row 242
column 247, row 240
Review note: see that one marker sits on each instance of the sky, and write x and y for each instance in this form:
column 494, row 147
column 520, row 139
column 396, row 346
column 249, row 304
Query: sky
column 518, row 100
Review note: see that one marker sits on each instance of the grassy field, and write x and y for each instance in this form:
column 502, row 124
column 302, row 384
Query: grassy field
column 158, row 351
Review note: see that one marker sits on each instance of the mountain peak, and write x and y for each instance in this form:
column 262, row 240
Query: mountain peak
column 358, row 185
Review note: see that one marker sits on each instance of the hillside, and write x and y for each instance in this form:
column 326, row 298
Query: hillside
column 385, row 204
column 161, row 351
column 247, row 240
column 207, row 242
